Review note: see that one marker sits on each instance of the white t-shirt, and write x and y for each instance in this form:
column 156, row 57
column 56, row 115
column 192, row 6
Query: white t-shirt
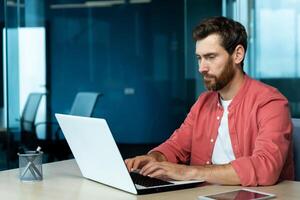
column 223, row 153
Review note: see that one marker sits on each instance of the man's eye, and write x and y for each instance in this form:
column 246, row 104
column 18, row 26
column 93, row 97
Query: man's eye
column 211, row 57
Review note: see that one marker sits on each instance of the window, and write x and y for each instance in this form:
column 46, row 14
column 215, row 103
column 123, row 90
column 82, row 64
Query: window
column 273, row 54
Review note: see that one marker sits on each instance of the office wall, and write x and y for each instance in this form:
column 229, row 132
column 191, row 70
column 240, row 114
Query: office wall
column 134, row 55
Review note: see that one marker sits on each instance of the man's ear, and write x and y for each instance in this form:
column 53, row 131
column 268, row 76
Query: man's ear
column 239, row 54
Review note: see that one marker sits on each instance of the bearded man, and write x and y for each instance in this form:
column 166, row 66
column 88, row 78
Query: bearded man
column 239, row 132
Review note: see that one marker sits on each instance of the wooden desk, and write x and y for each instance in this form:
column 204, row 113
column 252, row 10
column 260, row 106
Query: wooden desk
column 62, row 180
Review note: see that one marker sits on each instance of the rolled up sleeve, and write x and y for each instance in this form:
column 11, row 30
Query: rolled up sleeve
column 272, row 144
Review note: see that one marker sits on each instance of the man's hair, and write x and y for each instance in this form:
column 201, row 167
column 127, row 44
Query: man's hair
column 232, row 33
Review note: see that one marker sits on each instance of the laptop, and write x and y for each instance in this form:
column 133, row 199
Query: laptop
column 99, row 158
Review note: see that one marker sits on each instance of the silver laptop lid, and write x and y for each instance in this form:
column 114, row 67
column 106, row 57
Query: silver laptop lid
column 95, row 151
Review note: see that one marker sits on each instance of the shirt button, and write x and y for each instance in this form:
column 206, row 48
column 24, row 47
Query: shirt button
column 218, row 118
column 211, row 140
column 207, row 162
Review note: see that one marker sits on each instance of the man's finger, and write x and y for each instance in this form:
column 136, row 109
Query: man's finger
column 151, row 168
column 146, row 166
column 128, row 163
column 158, row 173
column 136, row 164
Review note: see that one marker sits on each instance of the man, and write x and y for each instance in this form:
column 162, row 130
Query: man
column 238, row 132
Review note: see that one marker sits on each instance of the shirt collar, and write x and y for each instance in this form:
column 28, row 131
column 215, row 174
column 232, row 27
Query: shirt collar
column 239, row 96
column 241, row 93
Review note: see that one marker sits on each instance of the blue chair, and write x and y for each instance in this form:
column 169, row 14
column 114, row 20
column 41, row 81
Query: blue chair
column 296, row 140
column 27, row 119
column 27, row 131
column 83, row 105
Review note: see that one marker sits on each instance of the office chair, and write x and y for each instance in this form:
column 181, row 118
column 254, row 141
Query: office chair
column 83, row 105
column 296, row 147
column 27, row 119
column 27, row 129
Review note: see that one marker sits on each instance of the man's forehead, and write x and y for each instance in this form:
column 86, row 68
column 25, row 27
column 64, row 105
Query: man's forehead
column 209, row 44
column 213, row 39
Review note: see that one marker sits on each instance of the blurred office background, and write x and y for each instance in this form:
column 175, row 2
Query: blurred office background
column 136, row 56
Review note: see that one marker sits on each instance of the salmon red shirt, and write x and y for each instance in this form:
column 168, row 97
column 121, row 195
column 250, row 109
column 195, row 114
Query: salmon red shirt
column 260, row 131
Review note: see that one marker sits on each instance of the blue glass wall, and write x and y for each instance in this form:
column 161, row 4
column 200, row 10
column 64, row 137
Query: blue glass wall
column 140, row 55
column 133, row 54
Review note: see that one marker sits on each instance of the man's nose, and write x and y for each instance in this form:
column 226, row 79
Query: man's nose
column 202, row 67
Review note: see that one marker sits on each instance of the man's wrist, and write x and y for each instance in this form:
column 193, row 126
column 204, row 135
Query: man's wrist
column 194, row 173
column 157, row 156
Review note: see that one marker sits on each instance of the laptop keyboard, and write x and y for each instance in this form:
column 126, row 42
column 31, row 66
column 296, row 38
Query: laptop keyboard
column 147, row 181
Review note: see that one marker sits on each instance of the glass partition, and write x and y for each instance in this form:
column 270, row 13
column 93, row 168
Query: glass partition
column 24, row 71
column 138, row 53
column 3, row 133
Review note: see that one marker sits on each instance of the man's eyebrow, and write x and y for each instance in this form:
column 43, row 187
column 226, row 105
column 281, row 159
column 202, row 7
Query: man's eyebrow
column 209, row 54
column 206, row 55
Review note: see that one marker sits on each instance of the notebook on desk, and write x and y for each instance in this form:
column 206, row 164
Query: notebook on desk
column 99, row 158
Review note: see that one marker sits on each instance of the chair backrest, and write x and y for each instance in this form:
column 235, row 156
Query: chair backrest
column 30, row 111
column 296, row 146
column 84, row 103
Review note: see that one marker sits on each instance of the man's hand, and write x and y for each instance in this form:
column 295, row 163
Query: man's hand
column 167, row 170
column 155, row 165
column 220, row 174
column 139, row 162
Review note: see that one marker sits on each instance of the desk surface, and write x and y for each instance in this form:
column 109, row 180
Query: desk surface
column 62, row 180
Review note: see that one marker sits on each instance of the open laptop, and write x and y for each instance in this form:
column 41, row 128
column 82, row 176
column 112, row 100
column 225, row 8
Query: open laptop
column 99, row 158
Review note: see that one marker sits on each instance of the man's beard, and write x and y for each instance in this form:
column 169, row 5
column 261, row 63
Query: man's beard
column 215, row 83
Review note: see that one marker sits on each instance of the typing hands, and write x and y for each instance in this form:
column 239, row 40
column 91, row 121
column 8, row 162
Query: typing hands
column 139, row 162
column 150, row 166
column 167, row 170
